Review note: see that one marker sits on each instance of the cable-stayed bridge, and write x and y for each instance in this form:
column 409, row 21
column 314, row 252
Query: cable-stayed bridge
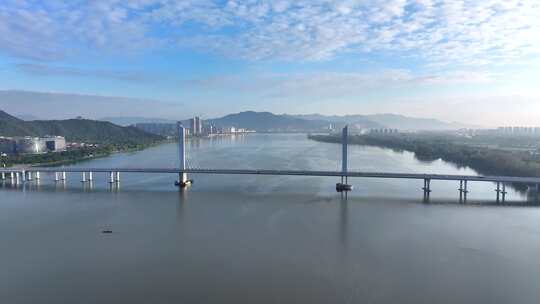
column 22, row 175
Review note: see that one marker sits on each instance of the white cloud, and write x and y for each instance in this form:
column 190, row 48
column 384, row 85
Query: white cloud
column 465, row 32
column 329, row 85
column 58, row 105
column 48, row 70
column 488, row 110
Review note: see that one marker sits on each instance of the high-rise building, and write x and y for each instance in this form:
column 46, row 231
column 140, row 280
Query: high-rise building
column 192, row 126
column 196, row 126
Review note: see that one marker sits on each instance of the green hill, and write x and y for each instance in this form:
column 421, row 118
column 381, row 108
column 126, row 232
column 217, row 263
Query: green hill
column 76, row 130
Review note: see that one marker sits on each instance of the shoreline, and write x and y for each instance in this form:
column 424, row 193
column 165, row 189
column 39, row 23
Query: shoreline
column 98, row 153
column 485, row 161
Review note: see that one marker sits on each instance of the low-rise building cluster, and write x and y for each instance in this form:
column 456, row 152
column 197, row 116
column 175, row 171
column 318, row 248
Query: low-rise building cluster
column 383, row 131
column 519, row 130
column 32, row 145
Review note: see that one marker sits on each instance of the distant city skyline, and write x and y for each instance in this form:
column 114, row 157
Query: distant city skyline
column 474, row 62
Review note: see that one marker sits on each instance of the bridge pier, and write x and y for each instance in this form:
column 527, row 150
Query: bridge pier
column 63, row 175
column 460, row 190
column 56, row 178
column 90, row 176
column 117, row 177
column 3, row 176
column 182, row 178
column 111, row 177
column 463, row 190
column 83, row 179
column 427, row 186
column 504, row 192
column 38, row 176
column 29, row 176
column 427, row 189
column 17, row 178
column 498, row 190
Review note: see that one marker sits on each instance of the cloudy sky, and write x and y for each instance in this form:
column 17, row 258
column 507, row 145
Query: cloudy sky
column 469, row 61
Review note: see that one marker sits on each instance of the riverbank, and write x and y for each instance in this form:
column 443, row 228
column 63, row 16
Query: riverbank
column 486, row 161
column 72, row 156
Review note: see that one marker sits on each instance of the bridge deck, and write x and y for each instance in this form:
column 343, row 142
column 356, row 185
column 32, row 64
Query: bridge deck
column 502, row 179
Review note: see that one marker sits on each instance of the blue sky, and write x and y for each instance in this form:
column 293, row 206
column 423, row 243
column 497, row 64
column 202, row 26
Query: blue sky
column 470, row 61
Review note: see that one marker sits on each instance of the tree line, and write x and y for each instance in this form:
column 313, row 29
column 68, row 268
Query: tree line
column 487, row 161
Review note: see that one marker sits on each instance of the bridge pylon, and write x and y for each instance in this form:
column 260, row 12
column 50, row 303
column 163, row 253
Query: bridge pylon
column 344, row 186
column 183, row 180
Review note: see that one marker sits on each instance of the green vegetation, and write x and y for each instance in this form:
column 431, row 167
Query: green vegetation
column 76, row 130
column 105, row 137
column 485, row 160
column 69, row 156
column 53, row 158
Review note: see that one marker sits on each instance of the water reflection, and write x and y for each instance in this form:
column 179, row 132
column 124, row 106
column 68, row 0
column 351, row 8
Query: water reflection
column 286, row 151
column 343, row 222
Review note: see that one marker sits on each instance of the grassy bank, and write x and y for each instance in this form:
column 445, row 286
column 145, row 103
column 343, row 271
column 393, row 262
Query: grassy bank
column 486, row 161
column 71, row 156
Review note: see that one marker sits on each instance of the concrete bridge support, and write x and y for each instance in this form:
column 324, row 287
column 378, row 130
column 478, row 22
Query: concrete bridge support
column 183, row 180
column 56, row 177
column 38, row 176
column 111, row 177
column 427, row 185
column 463, row 190
column 64, row 176
column 344, row 185
column 3, row 176
column 498, row 190
column 427, row 189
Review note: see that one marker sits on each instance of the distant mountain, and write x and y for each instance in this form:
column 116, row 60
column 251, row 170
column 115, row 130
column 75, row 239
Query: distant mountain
column 13, row 126
column 133, row 120
column 392, row 121
column 27, row 117
column 268, row 122
column 357, row 121
column 75, row 130
column 163, row 129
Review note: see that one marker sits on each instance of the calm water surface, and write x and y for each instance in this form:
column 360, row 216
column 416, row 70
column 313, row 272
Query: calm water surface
column 245, row 239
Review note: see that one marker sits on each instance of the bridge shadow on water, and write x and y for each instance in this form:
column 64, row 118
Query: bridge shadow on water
column 532, row 196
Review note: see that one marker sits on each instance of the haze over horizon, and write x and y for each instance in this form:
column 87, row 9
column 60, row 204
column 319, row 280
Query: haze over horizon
column 473, row 62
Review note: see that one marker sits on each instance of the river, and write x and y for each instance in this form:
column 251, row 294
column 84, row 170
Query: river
column 256, row 239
